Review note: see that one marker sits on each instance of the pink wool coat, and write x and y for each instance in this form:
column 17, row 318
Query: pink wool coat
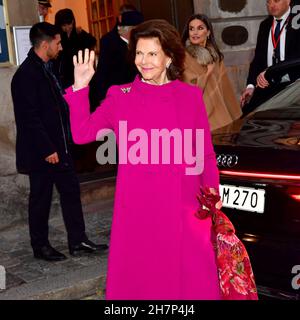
column 158, row 248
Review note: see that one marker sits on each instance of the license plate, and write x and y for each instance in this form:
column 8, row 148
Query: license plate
column 242, row 198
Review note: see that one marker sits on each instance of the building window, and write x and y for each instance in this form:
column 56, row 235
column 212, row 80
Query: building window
column 102, row 17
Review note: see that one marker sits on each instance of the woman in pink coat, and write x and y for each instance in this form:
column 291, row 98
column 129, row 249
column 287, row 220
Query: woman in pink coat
column 159, row 249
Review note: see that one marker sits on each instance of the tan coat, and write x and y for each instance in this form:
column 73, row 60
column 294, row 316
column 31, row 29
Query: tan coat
column 221, row 104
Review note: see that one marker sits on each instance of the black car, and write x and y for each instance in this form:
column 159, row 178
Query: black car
column 259, row 162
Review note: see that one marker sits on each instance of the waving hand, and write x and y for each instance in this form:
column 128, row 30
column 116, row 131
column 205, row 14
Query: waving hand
column 83, row 68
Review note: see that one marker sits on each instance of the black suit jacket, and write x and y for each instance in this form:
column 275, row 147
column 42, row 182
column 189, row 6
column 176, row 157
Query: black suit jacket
column 41, row 118
column 114, row 67
column 260, row 61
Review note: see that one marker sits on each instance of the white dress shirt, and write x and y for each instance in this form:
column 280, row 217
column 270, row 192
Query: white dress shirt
column 282, row 43
column 282, row 39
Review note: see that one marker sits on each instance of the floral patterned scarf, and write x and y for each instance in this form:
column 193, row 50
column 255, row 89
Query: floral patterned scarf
column 233, row 263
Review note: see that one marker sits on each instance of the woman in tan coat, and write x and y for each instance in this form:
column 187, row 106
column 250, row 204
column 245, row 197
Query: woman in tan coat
column 205, row 68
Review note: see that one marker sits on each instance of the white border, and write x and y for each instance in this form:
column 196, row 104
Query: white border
column 21, row 37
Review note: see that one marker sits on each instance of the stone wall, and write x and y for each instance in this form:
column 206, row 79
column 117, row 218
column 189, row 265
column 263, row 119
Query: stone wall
column 13, row 187
column 236, row 25
column 244, row 13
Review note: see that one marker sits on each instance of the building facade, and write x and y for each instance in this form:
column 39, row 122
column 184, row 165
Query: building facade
column 13, row 187
column 235, row 22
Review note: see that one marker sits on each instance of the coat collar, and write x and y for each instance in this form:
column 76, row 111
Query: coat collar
column 32, row 55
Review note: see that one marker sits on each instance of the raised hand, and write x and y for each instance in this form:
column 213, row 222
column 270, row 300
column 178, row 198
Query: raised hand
column 83, row 68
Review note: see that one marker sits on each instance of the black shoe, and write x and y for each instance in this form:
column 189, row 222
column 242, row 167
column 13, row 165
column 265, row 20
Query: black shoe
column 49, row 254
column 87, row 246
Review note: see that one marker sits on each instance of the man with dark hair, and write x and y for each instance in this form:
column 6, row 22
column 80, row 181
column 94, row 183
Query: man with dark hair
column 43, row 146
column 114, row 66
column 277, row 41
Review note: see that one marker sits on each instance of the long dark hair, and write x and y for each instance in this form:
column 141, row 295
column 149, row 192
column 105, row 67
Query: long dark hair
column 65, row 16
column 210, row 41
column 170, row 42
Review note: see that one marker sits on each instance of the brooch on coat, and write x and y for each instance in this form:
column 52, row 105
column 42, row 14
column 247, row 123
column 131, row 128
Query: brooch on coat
column 126, row 90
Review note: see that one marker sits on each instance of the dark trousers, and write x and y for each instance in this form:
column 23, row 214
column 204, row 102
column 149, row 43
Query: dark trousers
column 41, row 188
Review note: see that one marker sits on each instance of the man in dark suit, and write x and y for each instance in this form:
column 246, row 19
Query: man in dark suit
column 277, row 41
column 43, row 146
column 114, row 66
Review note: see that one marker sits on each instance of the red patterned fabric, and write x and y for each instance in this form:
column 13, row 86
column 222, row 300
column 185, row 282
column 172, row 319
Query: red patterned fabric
column 234, row 267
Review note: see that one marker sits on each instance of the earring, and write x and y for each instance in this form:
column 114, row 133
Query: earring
column 168, row 64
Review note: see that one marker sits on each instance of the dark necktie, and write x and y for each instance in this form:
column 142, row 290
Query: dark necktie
column 277, row 38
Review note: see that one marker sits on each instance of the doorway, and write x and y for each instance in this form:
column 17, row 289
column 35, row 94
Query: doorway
column 175, row 12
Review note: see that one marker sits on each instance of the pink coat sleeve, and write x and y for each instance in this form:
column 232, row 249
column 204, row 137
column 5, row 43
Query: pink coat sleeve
column 85, row 125
column 210, row 175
